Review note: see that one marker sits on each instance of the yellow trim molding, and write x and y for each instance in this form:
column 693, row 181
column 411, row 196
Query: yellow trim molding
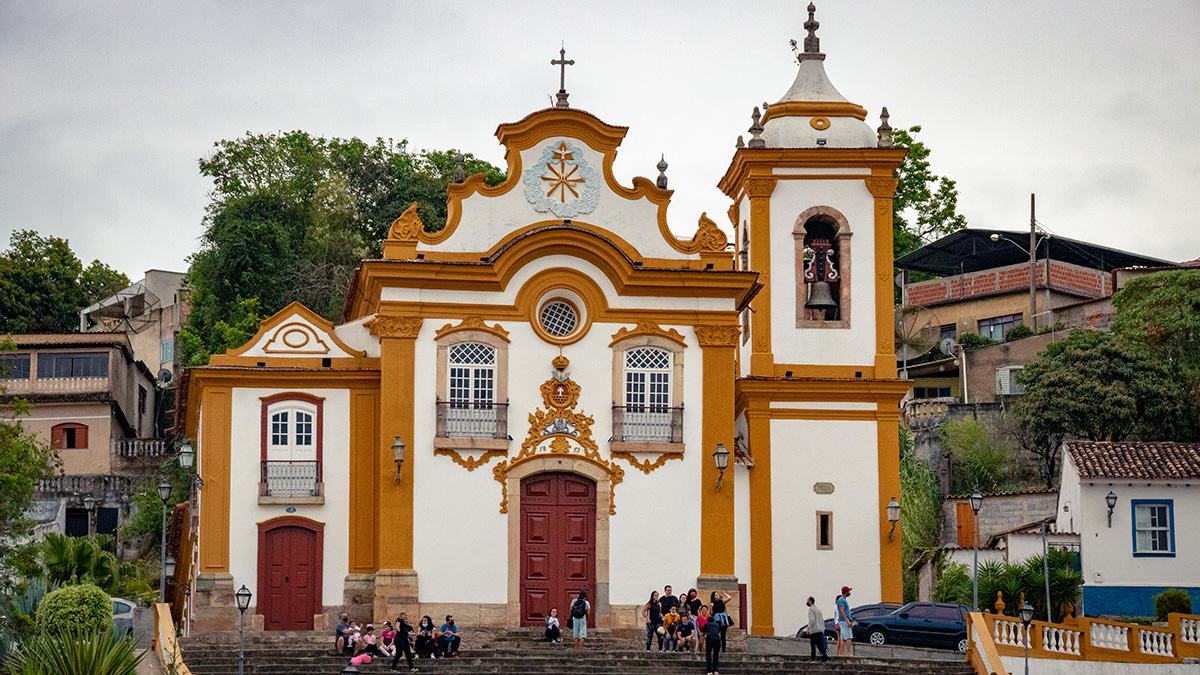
column 296, row 309
column 813, row 109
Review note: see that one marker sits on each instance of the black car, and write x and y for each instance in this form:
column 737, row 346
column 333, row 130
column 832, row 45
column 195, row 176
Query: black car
column 859, row 613
column 919, row 624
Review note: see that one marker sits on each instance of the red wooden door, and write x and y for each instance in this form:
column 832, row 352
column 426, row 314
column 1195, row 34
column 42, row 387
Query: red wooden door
column 291, row 585
column 558, row 544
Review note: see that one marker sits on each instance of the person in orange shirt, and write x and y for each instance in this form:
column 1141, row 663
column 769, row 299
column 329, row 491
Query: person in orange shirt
column 671, row 623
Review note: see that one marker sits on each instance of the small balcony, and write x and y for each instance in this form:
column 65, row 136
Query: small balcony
column 56, row 385
column 142, row 447
column 647, row 424
column 291, row 482
column 472, row 420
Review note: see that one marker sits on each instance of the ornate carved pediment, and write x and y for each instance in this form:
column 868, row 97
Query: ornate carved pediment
column 408, row 227
column 296, row 338
column 708, row 236
column 882, row 188
column 647, row 328
column 473, row 323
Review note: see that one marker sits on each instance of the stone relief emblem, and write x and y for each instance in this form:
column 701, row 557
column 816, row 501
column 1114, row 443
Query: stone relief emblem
column 561, row 182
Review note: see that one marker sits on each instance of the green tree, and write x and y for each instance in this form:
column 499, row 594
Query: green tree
column 1097, row 386
column 24, row 460
column 1161, row 312
column 926, row 205
column 83, row 560
column 43, row 285
column 292, row 215
column 81, row 607
column 980, row 457
column 920, row 510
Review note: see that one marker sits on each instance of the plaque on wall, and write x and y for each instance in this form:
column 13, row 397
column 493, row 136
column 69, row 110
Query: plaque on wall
column 823, row 488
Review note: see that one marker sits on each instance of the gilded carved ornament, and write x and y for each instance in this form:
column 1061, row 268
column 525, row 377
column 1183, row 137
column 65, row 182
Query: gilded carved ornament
column 647, row 328
column 295, row 338
column 408, row 227
column 472, row 323
column 395, row 326
column 734, row 214
column 560, row 431
column 708, row 236
column 645, row 466
column 469, row 463
column 760, row 187
column 717, row 336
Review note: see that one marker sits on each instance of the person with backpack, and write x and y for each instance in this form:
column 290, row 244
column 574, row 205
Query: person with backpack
column 718, row 600
column 579, row 612
column 712, row 646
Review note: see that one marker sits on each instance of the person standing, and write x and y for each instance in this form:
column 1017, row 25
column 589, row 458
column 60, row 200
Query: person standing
column 693, row 603
column 403, row 629
column 652, row 613
column 712, row 647
column 579, row 612
column 718, row 600
column 667, row 601
column 816, row 631
column 845, row 623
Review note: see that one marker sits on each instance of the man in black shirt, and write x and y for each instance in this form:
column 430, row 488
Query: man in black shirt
column 667, row 601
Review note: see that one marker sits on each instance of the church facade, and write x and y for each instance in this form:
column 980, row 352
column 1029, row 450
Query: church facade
column 556, row 393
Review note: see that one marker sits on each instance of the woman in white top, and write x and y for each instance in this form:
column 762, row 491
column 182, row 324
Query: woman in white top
column 553, row 630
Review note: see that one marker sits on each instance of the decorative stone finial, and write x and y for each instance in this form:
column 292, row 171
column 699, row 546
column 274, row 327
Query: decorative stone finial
column 460, row 174
column 740, row 143
column 885, row 130
column 812, row 43
column 756, row 130
column 562, row 62
column 662, row 173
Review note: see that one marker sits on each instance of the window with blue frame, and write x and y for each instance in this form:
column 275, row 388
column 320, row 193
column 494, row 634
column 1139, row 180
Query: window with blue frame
column 1153, row 527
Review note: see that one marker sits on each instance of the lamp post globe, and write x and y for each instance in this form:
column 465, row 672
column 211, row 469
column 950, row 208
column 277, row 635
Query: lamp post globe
column 242, row 596
column 164, row 493
column 976, row 500
column 1026, row 617
column 187, row 456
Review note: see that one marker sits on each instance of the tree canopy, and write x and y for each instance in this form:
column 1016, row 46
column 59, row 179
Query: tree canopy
column 926, row 205
column 43, row 284
column 290, row 217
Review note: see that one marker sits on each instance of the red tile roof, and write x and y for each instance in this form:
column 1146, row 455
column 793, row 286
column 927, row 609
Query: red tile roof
column 1144, row 461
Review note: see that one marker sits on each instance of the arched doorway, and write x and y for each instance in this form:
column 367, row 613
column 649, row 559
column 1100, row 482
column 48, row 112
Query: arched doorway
column 558, row 544
column 290, row 556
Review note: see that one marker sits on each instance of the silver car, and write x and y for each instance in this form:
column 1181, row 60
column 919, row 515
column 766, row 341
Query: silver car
column 122, row 616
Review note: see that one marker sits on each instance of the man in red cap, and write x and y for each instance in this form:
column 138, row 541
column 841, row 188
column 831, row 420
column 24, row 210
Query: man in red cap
column 845, row 624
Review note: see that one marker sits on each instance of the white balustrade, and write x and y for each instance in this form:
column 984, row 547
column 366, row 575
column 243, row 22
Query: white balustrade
column 1189, row 630
column 1155, row 643
column 1108, row 636
column 1008, row 633
column 1061, row 640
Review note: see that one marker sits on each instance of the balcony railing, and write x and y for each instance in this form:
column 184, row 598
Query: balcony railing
column 289, row 478
column 95, row 484
column 647, row 424
column 141, row 447
column 472, row 420
column 56, row 385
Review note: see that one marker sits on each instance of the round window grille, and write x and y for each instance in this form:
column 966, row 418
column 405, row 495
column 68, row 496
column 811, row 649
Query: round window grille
column 558, row 318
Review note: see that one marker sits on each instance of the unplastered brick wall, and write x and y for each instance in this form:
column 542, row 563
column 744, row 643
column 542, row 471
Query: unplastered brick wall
column 1000, row 513
column 1013, row 277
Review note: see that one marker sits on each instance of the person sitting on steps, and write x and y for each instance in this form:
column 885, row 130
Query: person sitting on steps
column 341, row 634
column 448, row 638
column 427, row 646
column 671, row 623
column 553, row 630
column 686, row 634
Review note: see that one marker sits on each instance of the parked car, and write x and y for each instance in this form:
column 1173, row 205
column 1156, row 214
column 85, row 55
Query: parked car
column 919, row 624
column 122, row 616
column 858, row 614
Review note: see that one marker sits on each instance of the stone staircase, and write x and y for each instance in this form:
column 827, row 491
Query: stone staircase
column 523, row 652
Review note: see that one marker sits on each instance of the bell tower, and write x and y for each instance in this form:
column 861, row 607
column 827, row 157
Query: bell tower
column 812, row 193
column 817, row 394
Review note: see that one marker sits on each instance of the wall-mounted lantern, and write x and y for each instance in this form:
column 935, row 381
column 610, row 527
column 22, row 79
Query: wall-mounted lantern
column 721, row 460
column 398, row 455
column 893, row 516
column 1111, row 500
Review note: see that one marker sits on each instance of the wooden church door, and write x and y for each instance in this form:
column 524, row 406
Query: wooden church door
column 558, row 545
column 289, row 570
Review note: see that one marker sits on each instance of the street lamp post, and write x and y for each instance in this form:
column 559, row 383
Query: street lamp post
column 976, row 504
column 164, row 493
column 1026, row 617
column 243, row 602
column 89, row 503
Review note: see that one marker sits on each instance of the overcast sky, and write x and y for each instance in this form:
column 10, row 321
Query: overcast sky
column 105, row 107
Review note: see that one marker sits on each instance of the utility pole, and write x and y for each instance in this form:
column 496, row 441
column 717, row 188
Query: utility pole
column 1033, row 266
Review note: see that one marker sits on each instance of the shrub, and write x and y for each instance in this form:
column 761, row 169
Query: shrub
column 76, row 653
column 1017, row 332
column 1171, row 600
column 954, row 584
column 82, row 608
column 979, row 457
column 973, row 340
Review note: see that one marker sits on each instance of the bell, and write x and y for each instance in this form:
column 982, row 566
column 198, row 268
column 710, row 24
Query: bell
column 820, row 297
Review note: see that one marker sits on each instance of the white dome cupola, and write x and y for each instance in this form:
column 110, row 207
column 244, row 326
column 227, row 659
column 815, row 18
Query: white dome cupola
column 813, row 113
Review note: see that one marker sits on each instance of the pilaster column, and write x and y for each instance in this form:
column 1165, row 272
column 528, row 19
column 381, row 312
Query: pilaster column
column 217, row 407
column 891, row 580
column 396, row 581
column 759, row 189
column 762, row 585
column 883, row 188
column 718, row 344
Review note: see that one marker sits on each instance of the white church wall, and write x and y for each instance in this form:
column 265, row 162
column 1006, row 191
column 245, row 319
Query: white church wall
column 357, row 335
column 654, row 539
column 804, row 452
column 853, row 346
column 741, row 533
column 487, row 220
column 245, row 469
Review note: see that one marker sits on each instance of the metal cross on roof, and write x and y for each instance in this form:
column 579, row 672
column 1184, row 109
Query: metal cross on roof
column 562, row 62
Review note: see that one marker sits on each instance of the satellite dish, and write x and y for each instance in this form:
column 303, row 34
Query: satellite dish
column 947, row 346
column 164, row 376
column 917, row 332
